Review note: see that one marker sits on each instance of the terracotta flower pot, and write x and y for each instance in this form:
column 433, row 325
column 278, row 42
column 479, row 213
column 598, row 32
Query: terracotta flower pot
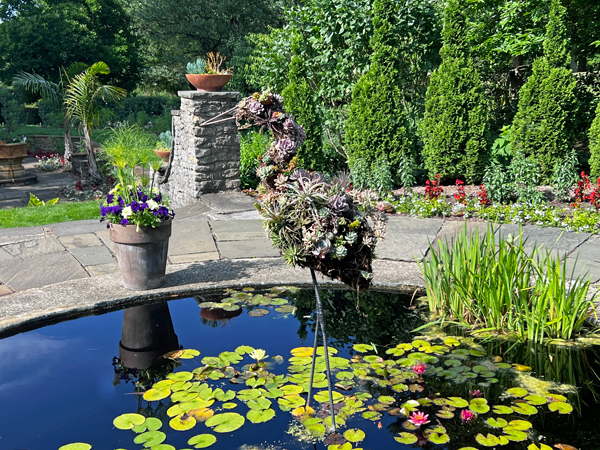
column 142, row 255
column 162, row 154
column 208, row 82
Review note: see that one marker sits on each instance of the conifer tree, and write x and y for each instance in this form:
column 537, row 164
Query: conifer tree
column 594, row 137
column 378, row 133
column 455, row 128
column 543, row 127
column 300, row 102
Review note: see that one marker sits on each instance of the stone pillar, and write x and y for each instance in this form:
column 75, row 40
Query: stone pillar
column 206, row 159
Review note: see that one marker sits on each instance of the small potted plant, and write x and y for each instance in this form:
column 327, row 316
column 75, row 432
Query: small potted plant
column 138, row 215
column 208, row 75
column 163, row 146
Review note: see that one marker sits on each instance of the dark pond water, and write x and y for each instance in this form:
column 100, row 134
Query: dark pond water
column 67, row 382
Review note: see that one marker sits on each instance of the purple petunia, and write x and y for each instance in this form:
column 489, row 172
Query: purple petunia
column 124, row 222
column 109, row 198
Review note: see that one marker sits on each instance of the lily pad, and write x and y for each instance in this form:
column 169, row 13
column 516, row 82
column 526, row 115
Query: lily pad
column 521, row 425
column 260, row 415
column 180, row 376
column 502, row 409
column 323, row 397
column 487, row 441
column 286, row 309
column 514, row 435
column 150, row 424
column 302, row 351
column 457, row 402
column 76, row 446
column 128, row 421
column 362, row 348
column 437, row 438
column 258, row 312
column 406, row 438
column 182, row 422
column 354, row 435
column 541, row 447
column 561, row 407
column 153, row 395
column 226, row 422
column 536, row 400
column 150, row 438
column 517, row 392
column 259, row 404
column 525, row 409
column 244, row 349
column 202, row 414
column 202, row 440
column 445, row 414
column 229, row 405
column 497, row 423
column 479, row 405
column 371, row 415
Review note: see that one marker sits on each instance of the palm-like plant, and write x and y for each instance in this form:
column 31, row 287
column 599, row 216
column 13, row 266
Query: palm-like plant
column 81, row 103
column 53, row 92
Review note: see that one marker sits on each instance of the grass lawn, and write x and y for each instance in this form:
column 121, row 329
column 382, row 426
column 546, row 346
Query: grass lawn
column 29, row 216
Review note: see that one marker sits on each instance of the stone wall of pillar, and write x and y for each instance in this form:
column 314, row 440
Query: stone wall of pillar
column 206, row 159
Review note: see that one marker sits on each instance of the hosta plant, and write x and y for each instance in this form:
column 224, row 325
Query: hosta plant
column 316, row 223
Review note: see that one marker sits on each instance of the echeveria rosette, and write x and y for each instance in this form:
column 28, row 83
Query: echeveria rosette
column 135, row 206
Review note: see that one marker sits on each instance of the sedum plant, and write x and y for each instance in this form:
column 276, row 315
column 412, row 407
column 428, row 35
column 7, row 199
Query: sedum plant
column 316, row 223
column 165, row 139
column 197, row 67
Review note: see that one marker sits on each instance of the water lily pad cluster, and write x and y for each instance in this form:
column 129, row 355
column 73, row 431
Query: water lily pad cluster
column 257, row 304
column 405, row 382
column 316, row 223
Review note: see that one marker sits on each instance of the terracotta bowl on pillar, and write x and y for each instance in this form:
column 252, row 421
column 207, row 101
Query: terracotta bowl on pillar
column 208, row 82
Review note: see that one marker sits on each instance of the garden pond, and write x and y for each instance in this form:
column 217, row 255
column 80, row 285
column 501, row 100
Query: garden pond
column 230, row 370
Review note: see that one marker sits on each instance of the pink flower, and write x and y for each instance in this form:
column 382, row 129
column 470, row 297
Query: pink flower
column 419, row 368
column 418, row 418
column 466, row 415
column 476, row 393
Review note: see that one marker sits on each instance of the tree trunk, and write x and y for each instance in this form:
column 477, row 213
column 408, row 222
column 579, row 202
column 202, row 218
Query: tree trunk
column 95, row 176
column 68, row 141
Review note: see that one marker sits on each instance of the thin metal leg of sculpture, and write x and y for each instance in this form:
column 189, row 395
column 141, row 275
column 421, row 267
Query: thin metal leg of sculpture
column 321, row 323
column 312, row 367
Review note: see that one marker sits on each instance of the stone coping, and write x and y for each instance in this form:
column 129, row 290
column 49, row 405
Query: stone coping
column 204, row 95
column 35, row 308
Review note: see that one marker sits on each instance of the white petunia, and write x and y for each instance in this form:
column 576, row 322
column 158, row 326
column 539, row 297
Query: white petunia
column 152, row 204
column 126, row 212
column 155, row 191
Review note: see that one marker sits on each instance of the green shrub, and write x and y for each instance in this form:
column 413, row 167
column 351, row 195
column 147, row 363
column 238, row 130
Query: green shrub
column 565, row 176
column 594, row 137
column 455, row 127
column 50, row 113
column 543, row 126
column 153, row 105
column 252, row 145
column 498, row 182
column 299, row 100
column 378, row 131
column 499, row 285
column 526, row 177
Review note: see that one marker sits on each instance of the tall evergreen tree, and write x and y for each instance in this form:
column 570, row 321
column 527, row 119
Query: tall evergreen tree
column 543, row 127
column 378, row 132
column 455, row 127
column 594, row 137
column 300, row 102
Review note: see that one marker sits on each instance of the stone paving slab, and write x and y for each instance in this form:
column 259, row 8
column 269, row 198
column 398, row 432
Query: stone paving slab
column 233, row 202
column 408, row 238
column 104, row 236
column 256, row 248
column 92, row 256
column 77, row 227
column 558, row 242
column 451, row 228
column 80, row 240
column 245, row 215
column 191, row 237
column 34, row 247
column 194, row 257
column 5, row 290
column 104, row 269
column 238, row 230
column 191, row 211
column 4, row 255
column 24, row 231
column 40, row 270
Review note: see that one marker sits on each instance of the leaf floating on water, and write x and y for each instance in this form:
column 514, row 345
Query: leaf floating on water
column 183, row 422
column 561, row 407
column 226, row 422
column 437, row 438
column 153, row 394
column 525, row 409
column 502, row 409
column 76, row 446
column 445, row 414
column 248, row 289
column 457, row 402
column 180, row 376
column 497, row 423
column 514, row 435
column 201, row 414
column 244, row 349
column 487, row 441
column 229, row 405
column 260, row 415
column 542, row 447
column 150, row 438
column 520, row 425
column 202, row 440
column 354, row 435
column 259, row 403
column 231, row 307
column 128, row 421
column 479, row 405
column 279, row 301
column 258, row 312
column 536, row 400
column 557, row 397
column 286, row 309
column 151, row 424
column 302, row 352
column 406, row 438
column 517, row 392
column 345, row 446
column 362, row 348
column 371, row 415
column 564, row 447
column 452, row 341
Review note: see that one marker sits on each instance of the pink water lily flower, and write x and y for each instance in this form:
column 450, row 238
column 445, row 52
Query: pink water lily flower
column 419, row 368
column 476, row 393
column 418, row 418
column 466, row 415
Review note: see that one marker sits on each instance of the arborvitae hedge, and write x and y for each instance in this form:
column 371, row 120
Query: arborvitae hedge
column 594, row 136
column 378, row 132
column 455, row 127
column 300, row 102
column 543, row 127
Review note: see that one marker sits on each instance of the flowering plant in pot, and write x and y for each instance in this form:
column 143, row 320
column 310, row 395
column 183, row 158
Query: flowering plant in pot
column 209, row 74
column 138, row 215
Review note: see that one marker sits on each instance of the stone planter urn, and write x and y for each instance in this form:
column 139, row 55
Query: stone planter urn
column 142, row 255
column 11, row 160
column 208, row 82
